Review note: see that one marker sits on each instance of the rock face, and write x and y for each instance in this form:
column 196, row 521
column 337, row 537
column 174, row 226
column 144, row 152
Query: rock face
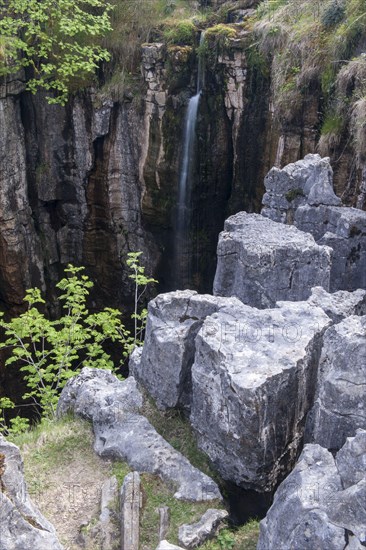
column 321, row 504
column 121, row 432
column 341, row 304
column 22, row 525
column 253, row 382
column 308, row 181
column 343, row 229
column 261, row 262
column 70, row 194
column 302, row 194
column 164, row 366
column 340, row 406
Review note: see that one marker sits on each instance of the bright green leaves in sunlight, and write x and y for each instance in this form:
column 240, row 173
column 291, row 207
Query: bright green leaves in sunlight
column 141, row 284
column 50, row 352
column 59, row 43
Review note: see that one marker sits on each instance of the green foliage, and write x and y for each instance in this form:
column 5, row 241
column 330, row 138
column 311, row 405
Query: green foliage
column 58, row 42
column 51, row 352
column 141, row 284
column 17, row 425
column 333, row 13
column 181, row 33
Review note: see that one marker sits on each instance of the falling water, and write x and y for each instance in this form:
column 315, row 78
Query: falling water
column 182, row 244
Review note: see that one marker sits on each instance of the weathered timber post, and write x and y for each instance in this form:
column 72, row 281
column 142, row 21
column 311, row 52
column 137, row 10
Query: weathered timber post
column 130, row 502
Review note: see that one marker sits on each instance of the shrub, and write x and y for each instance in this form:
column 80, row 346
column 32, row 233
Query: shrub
column 51, row 352
column 333, row 13
column 57, row 42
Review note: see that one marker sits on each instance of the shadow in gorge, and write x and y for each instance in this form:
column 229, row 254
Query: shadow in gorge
column 244, row 504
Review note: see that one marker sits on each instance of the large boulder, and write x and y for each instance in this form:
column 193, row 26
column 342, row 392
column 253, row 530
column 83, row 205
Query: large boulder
column 121, row 432
column 339, row 305
column 261, row 261
column 344, row 230
column 164, row 365
column 307, row 181
column 340, row 406
column 253, row 382
column 302, row 194
column 22, row 525
column 322, row 503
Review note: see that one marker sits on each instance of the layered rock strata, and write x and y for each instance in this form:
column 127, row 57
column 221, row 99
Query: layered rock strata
column 121, row 432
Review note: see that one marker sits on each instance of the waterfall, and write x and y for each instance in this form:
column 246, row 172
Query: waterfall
column 182, row 240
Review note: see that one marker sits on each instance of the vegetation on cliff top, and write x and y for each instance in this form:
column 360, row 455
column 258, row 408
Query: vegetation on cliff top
column 311, row 44
column 58, row 43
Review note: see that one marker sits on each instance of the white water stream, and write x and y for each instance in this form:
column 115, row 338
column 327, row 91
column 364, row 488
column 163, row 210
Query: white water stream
column 182, row 243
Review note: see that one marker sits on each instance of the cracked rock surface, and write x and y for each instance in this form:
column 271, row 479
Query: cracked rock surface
column 260, row 261
column 253, row 382
column 322, row 503
column 121, row 432
column 340, row 407
column 164, row 365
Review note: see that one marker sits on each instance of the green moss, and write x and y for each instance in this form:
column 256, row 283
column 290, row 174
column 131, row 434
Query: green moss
column 220, row 34
column 294, row 194
column 181, row 33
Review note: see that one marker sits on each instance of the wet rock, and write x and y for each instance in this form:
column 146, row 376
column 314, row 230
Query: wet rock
column 163, row 366
column 22, row 524
column 339, row 408
column 121, row 432
column 261, row 262
column 339, row 305
column 312, row 509
column 191, row 536
column 253, row 382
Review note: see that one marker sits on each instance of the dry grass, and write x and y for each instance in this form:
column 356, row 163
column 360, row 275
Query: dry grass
column 64, row 477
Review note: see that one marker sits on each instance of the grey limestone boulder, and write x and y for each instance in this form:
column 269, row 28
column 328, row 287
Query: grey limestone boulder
column 121, row 432
column 351, row 459
column 320, row 505
column 307, row 181
column 253, row 382
column 344, row 230
column 163, row 366
column 339, row 305
column 261, row 261
column 22, row 526
column 340, row 406
column 191, row 536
